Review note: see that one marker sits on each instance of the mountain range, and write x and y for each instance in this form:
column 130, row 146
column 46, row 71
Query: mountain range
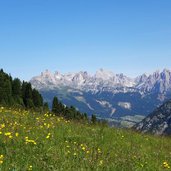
column 108, row 95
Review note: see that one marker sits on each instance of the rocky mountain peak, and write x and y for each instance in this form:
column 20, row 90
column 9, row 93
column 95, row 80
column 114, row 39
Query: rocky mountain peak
column 46, row 73
column 159, row 81
column 104, row 74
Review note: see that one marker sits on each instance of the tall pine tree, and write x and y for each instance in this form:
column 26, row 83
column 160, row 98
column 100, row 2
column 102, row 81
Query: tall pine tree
column 55, row 106
column 37, row 98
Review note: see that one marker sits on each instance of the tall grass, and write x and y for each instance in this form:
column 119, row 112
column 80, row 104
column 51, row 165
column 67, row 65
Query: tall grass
column 30, row 141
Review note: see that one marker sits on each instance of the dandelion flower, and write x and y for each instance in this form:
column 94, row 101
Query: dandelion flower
column 166, row 165
column 30, row 167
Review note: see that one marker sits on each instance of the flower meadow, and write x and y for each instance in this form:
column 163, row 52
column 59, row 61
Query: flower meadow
column 43, row 142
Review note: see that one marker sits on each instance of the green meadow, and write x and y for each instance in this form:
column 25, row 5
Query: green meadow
column 44, row 142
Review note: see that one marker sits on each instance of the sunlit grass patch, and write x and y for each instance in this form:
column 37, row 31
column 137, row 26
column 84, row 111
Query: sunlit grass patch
column 33, row 141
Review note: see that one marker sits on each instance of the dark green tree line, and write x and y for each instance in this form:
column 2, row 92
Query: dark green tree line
column 67, row 112
column 13, row 92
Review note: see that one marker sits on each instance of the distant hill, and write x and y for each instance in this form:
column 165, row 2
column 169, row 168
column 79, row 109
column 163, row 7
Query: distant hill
column 158, row 122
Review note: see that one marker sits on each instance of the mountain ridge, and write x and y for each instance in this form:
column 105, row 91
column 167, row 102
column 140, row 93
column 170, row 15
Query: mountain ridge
column 158, row 122
column 82, row 79
column 107, row 94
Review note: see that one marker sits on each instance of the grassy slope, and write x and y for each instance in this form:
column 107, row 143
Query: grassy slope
column 29, row 141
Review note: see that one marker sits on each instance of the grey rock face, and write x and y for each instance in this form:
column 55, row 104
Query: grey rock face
column 158, row 82
column 158, row 122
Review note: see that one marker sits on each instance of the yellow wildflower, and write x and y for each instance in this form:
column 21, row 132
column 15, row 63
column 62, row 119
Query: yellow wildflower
column 7, row 133
column 10, row 136
column 99, row 151
column 48, row 136
column 30, row 167
column 30, row 141
column 166, row 165
column 2, row 125
column 88, row 152
column 1, row 159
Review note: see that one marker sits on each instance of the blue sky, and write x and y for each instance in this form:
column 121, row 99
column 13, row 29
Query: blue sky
column 128, row 36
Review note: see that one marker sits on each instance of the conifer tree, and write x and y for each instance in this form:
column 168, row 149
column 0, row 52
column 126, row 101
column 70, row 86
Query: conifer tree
column 55, row 106
column 28, row 95
column 16, row 92
column 5, row 88
column 93, row 119
column 16, row 87
column 37, row 98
